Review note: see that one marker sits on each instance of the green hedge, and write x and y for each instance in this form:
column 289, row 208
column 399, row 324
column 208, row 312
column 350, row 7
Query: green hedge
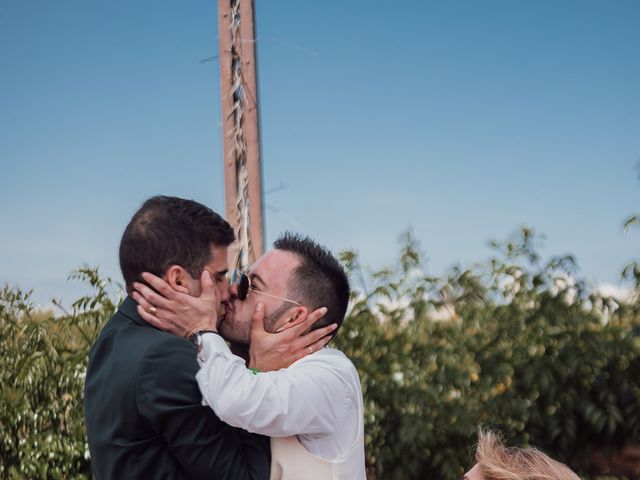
column 525, row 349
column 42, row 371
column 516, row 344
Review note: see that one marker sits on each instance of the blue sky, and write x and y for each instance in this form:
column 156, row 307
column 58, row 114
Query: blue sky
column 462, row 120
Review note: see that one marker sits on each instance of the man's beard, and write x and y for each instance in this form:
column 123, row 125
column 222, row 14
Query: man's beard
column 241, row 332
column 271, row 319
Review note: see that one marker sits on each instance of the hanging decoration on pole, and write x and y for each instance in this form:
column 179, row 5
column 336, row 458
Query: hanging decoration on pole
column 240, row 129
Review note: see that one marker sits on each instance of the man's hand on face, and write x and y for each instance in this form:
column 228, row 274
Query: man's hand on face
column 274, row 351
column 176, row 311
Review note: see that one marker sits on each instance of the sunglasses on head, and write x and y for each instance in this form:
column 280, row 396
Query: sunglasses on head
column 243, row 283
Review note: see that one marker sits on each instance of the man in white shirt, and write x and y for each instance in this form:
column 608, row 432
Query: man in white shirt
column 313, row 409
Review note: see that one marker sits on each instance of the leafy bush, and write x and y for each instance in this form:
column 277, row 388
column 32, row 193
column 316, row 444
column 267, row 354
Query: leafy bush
column 516, row 344
column 42, row 371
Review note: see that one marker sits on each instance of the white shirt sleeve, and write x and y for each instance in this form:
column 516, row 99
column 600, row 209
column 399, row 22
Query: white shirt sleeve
column 309, row 397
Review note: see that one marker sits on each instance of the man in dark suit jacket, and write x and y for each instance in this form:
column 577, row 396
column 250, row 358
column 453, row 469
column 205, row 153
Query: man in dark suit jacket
column 143, row 410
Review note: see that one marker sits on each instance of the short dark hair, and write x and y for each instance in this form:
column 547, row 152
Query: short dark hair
column 169, row 231
column 319, row 280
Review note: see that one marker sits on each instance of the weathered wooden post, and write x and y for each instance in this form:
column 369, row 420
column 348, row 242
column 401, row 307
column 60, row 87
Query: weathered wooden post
column 240, row 128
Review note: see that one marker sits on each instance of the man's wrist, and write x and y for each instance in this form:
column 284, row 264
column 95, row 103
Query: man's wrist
column 196, row 338
column 201, row 328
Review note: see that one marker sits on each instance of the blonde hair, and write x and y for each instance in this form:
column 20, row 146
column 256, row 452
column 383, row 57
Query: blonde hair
column 498, row 462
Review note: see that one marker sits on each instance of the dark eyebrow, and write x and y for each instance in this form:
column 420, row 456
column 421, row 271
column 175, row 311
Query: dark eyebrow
column 255, row 277
column 222, row 273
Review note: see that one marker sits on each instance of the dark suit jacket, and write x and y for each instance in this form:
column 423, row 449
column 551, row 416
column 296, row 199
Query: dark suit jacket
column 143, row 410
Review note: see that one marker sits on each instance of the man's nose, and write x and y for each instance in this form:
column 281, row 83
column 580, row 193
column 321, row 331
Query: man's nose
column 233, row 289
column 224, row 291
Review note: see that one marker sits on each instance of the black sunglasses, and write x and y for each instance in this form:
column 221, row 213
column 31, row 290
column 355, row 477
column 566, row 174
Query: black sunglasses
column 243, row 283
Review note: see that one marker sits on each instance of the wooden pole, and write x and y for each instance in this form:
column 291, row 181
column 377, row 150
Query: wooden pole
column 233, row 49
column 228, row 156
column 252, row 125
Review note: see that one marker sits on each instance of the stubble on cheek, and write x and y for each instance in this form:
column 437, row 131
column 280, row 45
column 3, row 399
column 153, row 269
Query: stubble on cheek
column 235, row 332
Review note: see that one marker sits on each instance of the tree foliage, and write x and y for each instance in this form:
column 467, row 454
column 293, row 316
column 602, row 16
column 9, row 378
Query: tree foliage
column 518, row 344
column 42, row 371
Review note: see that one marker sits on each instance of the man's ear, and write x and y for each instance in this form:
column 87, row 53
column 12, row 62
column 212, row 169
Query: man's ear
column 178, row 278
column 291, row 318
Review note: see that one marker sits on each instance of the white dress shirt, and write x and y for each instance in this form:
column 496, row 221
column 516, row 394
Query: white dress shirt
column 318, row 398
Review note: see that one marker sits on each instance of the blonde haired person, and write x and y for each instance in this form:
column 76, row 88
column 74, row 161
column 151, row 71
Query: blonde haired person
column 497, row 462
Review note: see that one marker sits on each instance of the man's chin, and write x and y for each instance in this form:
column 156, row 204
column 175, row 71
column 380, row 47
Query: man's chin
column 227, row 332
column 222, row 325
column 224, row 328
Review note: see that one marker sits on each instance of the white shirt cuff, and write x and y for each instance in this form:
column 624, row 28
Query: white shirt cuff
column 212, row 343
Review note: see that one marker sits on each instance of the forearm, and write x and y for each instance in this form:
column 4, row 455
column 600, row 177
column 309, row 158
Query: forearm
column 168, row 396
column 270, row 403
